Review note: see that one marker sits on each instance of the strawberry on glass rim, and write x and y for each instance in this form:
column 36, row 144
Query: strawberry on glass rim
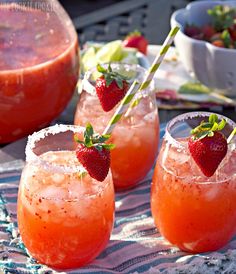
column 93, row 153
column 111, row 87
column 208, row 145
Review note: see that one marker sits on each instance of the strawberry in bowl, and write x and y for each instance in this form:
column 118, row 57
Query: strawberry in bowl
column 206, row 43
column 220, row 31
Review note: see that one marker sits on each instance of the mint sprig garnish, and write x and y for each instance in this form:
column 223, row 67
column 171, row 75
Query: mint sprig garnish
column 92, row 139
column 207, row 129
column 110, row 76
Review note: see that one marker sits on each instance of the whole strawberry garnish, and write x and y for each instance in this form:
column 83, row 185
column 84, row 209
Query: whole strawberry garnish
column 193, row 31
column 208, row 146
column 94, row 154
column 136, row 40
column 111, row 87
column 232, row 31
column 208, row 31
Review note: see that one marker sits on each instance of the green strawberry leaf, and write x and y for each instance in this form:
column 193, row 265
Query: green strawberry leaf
column 87, row 141
column 93, row 139
column 101, row 139
column 109, row 80
column 201, row 135
column 195, row 130
column 109, row 68
column 98, row 147
column 89, row 129
column 213, row 118
column 119, row 83
column 134, row 33
column 214, row 127
column 109, row 146
column 76, row 138
column 208, row 128
column 210, row 134
column 222, row 124
column 79, row 141
column 110, row 76
column 106, row 136
column 101, row 69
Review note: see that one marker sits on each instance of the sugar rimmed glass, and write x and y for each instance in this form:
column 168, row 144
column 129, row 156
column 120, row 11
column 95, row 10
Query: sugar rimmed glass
column 136, row 136
column 65, row 217
column 193, row 212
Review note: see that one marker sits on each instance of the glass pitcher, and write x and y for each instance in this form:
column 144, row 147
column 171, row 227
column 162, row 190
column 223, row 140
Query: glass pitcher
column 39, row 65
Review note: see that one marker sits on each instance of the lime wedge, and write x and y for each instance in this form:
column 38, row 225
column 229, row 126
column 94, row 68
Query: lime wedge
column 110, row 52
column 89, row 59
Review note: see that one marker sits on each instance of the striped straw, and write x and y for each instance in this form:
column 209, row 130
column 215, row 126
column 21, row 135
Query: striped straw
column 122, row 107
column 156, row 63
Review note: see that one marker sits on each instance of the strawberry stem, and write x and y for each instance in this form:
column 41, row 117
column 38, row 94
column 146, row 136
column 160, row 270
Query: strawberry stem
column 134, row 33
column 92, row 139
column 231, row 136
column 208, row 128
column 111, row 75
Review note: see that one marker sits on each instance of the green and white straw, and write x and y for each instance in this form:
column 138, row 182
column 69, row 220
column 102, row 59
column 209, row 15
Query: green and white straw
column 156, row 63
column 125, row 103
column 122, row 107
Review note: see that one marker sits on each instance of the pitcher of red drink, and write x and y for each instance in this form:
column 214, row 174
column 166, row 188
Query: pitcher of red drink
column 38, row 65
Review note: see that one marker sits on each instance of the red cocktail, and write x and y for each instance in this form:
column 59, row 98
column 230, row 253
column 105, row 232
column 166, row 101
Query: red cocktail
column 65, row 217
column 194, row 212
column 136, row 136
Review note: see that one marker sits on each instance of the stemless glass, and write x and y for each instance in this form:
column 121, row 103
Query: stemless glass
column 194, row 212
column 39, row 65
column 136, row 136
column 65, row 217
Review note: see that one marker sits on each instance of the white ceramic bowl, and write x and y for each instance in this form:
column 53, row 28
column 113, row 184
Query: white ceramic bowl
column 213, row 66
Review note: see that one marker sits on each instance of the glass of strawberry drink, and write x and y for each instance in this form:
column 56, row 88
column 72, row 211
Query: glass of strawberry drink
column 137, row 134
column 193, row 194
column 65, row 215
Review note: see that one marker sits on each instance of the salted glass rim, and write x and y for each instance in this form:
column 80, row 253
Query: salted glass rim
column 183, row 117
column 43, row 133
column 89, row 88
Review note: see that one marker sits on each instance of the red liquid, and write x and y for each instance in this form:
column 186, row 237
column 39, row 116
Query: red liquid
column 136, row 138
column 192, row 213
column 64, row 220
column 38, row 70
